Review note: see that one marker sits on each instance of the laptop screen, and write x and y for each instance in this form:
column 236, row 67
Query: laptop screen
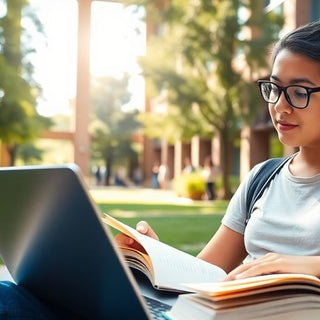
column 53, row 243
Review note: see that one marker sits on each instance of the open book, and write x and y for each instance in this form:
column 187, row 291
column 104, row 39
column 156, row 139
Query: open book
column 275, row 296
column 166, row 267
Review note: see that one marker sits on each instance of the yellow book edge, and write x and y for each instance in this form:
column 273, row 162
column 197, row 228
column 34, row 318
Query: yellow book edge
column 257, row 282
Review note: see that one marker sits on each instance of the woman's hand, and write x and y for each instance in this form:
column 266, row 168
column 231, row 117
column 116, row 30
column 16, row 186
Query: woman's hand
column 277, row 263
column 144, row 228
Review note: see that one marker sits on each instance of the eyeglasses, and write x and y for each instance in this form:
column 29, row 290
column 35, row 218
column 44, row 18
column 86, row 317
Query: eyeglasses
column 296, row 95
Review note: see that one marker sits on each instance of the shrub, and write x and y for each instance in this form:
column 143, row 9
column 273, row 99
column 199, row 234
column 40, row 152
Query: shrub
column 191, row 185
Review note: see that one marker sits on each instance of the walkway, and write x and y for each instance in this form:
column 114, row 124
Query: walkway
column 136, row 194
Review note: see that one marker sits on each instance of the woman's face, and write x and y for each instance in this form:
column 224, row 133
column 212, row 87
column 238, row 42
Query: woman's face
column 296, row 127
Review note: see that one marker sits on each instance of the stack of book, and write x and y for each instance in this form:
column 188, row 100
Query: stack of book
column 269, row 297
column 203, row 293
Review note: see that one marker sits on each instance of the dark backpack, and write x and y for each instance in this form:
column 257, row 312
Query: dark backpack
column 261, row 180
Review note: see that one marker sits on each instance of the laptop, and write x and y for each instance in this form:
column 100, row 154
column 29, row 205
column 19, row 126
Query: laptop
column 54, row 244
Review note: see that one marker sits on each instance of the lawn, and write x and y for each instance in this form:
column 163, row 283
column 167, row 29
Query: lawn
column 186, row 225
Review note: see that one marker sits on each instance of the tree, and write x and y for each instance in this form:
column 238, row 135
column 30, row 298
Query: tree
column 111, row 128
column 19, row 121
column 205, row 65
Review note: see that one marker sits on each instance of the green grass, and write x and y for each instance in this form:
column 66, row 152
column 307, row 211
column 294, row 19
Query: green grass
column 187, row 227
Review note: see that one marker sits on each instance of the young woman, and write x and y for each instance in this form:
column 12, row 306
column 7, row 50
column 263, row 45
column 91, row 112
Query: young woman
column 283, row 231
column 282, row 235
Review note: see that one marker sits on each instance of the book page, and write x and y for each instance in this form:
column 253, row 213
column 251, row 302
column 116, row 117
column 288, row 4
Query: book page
column 171, row 266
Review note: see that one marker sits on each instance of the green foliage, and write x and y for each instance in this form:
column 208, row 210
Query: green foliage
column 19, row 121
column 191, row 185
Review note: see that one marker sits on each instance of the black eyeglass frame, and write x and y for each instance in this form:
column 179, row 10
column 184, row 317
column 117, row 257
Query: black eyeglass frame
column 284, row 90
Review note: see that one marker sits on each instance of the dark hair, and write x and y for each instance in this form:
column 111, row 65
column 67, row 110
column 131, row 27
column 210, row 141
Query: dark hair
column 304, row 40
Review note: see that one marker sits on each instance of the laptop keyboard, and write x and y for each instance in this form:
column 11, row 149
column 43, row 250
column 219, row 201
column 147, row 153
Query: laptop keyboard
column 156, row 308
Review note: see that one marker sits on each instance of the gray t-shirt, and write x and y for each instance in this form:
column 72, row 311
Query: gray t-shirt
column 286, row 219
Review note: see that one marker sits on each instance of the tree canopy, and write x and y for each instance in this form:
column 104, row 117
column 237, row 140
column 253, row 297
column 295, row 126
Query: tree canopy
column 19, row 121
column 204, row 60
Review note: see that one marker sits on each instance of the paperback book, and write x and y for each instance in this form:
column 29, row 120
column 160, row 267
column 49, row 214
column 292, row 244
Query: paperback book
column 166, row 267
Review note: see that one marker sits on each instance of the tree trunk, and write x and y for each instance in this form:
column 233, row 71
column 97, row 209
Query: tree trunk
column 12, row 152
column 108, row 165
column 225, row 163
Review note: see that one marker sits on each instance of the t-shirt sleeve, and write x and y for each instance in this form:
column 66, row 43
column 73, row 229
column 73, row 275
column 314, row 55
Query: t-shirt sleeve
column 235, row 216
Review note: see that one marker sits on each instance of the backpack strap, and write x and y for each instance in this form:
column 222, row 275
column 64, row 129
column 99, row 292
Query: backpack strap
column 261, row 181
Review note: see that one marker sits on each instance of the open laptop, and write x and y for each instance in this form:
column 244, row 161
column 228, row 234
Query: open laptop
column 54, row 244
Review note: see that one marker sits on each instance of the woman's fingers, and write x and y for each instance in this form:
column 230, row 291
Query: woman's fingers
column 144, row 228
column 270, row 263
column 125, row 241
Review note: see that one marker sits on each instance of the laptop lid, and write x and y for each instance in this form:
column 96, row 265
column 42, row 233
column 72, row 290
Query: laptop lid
column 54, row 244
